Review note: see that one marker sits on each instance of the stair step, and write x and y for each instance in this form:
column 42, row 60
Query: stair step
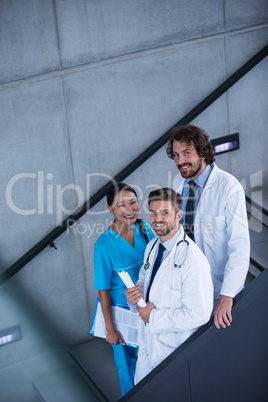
column 65, row 385
column 96, row 359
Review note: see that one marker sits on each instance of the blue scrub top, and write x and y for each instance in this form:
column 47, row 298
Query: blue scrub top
column 113, row 254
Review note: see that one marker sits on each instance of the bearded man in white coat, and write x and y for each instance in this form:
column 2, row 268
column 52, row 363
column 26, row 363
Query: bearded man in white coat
column 218, row 220
column 179, row 293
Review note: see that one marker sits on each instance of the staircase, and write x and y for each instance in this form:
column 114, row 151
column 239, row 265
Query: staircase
column 235, row 356
column 225, row 353
column 257, row 207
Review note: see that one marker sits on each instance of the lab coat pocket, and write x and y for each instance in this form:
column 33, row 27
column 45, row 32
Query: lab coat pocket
column 175, row 299
column 172, row 297
column 220, row 237
column 212, row 229
column 219, row 227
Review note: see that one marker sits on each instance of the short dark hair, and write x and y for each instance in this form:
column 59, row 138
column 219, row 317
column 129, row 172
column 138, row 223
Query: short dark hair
column 166, row 194
column 191, row 134
column 116, row 188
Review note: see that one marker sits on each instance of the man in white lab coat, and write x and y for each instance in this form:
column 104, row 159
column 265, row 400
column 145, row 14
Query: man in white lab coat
column 218, row 222
column 180, row 295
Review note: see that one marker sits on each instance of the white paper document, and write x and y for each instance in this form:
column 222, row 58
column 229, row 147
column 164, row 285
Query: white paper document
column 125, row 321
column 129, row 284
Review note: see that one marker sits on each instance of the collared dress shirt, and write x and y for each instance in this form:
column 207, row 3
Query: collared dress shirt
column 200, row 183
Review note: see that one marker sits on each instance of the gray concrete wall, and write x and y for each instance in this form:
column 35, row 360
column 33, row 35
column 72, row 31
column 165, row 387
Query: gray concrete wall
column 85, row 87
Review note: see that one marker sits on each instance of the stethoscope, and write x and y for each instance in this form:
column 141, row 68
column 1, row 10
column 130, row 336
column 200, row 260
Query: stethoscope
column 147, row 264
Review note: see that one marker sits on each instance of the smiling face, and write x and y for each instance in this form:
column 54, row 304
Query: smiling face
column 125, row 208
column 189, row 163
column 164, row 219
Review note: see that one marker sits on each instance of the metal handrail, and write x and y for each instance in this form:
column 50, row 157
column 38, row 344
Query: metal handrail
column 137, row 162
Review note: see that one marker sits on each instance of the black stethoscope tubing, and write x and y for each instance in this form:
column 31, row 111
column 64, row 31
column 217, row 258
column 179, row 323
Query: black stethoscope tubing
column 147, row 264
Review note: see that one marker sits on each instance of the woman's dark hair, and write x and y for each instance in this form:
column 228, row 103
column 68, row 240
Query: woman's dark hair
column 192, row 135
column 117, row 188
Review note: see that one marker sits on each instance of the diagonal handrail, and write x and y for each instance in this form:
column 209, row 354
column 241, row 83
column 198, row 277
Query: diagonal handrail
column 137, row 162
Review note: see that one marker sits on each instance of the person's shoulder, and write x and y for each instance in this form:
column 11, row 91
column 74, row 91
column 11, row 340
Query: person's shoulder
column 224, row 178
column 104, row 238
column 197, row 254
column 146, row 226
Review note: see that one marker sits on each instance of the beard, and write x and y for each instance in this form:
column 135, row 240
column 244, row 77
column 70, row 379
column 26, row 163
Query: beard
column 193, row 171
column 163, row 231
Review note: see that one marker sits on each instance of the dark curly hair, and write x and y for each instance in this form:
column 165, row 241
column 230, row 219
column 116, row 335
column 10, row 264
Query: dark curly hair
column 192, row 135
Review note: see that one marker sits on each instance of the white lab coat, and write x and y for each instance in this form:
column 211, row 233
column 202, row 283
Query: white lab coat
column 183, row 298
column 221, row 230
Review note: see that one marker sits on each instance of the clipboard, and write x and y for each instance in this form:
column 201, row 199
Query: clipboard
column 125, row 321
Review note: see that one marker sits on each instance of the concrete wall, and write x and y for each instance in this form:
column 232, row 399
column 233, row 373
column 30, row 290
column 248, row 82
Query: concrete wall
column 85, row 87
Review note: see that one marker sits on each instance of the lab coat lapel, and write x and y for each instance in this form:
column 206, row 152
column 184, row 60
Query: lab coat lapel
column 180, row 187
column 167, row 261
column 152, row 259
column 206, row 191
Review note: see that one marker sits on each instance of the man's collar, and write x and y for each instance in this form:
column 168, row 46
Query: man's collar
column 168, row 244
column 202, row 178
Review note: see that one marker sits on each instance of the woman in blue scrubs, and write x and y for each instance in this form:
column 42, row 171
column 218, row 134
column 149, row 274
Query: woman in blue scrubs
column 120, row 248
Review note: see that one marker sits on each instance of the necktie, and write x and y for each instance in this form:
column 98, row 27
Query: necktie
column 189, row 211
column 155, row 268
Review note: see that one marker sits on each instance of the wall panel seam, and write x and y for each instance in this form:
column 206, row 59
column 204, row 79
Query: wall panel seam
column 128, row 56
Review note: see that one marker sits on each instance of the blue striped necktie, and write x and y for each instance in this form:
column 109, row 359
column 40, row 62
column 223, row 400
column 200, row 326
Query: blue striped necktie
column 189, row 211
column 155, row 267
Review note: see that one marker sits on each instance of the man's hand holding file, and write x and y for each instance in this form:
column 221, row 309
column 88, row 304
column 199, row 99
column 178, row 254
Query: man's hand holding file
column 133, row 294
column 130, row 285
